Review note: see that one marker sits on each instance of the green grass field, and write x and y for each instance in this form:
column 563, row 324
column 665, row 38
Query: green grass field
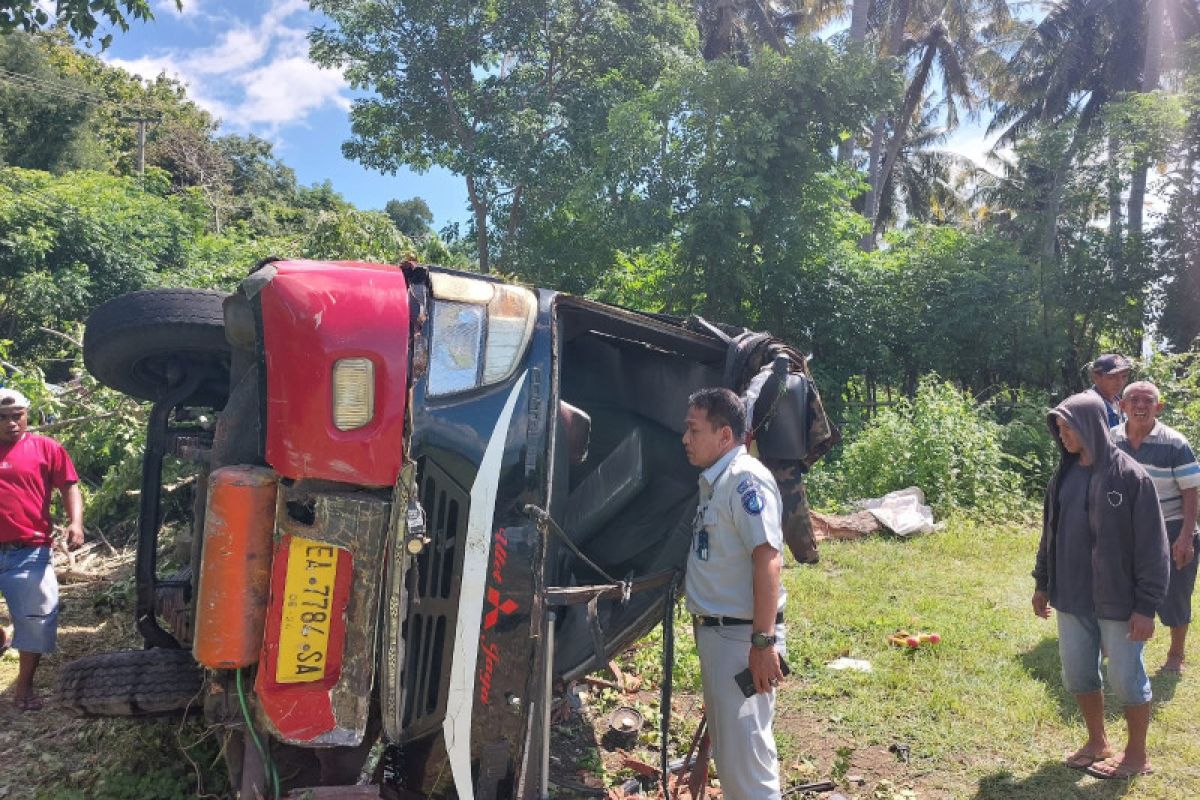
column 983, row 713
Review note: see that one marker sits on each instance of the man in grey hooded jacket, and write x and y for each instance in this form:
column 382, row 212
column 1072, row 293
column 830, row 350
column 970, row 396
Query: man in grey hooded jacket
column 1102, row 564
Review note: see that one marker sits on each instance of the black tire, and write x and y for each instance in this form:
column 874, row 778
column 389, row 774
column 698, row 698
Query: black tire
column 135, row 342
column 130, row 683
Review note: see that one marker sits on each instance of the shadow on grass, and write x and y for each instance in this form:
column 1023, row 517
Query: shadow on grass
column 1163, row 684
column 1052, row 780
column 1042, row 664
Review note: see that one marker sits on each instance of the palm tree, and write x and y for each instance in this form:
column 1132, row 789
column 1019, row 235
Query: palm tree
column 1168, row 24
column 736, row 27
column 1083, row 55
column 947, row 38
column 924, row 185
column 732, row 27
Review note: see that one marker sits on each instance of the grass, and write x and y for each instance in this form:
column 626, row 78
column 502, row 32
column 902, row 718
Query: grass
column 53, row 756
column 983, row 713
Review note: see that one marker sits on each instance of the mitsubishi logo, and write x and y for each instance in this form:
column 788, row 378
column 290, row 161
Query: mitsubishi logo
column 497, row 608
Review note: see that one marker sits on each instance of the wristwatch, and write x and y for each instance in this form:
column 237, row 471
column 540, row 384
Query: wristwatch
column 763, row 640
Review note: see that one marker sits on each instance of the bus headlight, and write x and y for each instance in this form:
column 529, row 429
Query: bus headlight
column 480, row 332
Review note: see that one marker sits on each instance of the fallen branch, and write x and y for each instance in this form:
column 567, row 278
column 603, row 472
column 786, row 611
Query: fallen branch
column 66, row 423
column 616, row 671
column 61, row 335
column 76, row 576
column 99, row 534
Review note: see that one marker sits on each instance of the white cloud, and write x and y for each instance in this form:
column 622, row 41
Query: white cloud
column 287, row 90
column 236, row 50
column 255, row 74
column 149, row 67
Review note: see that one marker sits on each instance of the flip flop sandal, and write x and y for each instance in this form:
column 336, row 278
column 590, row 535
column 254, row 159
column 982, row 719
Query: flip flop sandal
column 1109, row 769
column 1081, row 760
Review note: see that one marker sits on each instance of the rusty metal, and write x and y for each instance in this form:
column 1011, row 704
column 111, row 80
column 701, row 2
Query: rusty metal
column 159, row 435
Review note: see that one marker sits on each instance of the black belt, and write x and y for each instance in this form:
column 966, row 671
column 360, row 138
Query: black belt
column 718, row 622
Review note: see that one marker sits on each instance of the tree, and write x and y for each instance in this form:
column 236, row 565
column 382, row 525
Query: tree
column 732, row 171
column 411, row 217
column 501, row 92
column 1083, row 56
column 81, row 17
column 946, row 39
column 923, row 185
column 1179, row 233
column 44, row 116
column 74, row 241
column 254, row 169
column 194, row 160
column 734, row 28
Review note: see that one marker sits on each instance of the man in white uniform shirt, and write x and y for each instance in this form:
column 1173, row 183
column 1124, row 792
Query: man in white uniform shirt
column 734, row 593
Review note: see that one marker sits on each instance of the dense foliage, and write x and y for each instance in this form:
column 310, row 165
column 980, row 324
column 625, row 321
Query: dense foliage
column 758, row 163
column 941, row 441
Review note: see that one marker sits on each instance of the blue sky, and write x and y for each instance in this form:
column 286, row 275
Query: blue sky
column 246, row 61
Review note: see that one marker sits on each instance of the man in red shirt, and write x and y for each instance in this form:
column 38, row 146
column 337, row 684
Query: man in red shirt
column 31, row 467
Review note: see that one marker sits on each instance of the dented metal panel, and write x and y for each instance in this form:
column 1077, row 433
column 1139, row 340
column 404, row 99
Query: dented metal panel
column 314, row 314
column 332, row 710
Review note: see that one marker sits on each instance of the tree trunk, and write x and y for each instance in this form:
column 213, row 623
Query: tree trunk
column 768, row 28
column 858, row 35
column 719, row 40
column 879, row 129
column 1114, row 196
column 871, row 201
column 1152, row 62
column 900, row 129
column 479, row 206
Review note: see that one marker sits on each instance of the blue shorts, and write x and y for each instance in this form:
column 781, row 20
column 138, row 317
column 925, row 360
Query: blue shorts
column 29, row 587
column 1079, row 647
column 1176, row 607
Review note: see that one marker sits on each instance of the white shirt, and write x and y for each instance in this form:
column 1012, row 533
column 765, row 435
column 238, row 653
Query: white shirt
column 739, row 510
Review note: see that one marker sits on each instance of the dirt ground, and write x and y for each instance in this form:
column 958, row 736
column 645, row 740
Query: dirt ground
column 48, row 742
column 50, row 748
column 588, row 760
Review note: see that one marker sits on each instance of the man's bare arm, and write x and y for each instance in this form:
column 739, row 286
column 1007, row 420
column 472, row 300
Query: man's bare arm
column 1184, row 549
column 73, row 502
column 764, row 663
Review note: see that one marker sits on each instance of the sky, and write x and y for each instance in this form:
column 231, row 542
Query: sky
column 246, row 62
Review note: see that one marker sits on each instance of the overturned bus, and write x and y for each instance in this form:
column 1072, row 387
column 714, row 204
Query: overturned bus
column 425, row 497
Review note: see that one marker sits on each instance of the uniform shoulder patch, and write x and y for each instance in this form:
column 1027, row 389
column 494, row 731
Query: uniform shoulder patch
column 746, row 485
column 752, row 502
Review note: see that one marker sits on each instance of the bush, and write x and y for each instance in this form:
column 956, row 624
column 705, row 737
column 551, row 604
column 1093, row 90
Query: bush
column 942, row 441
column 1026, row 440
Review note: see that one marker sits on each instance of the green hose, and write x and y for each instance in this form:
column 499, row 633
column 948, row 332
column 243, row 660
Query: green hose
column 262, row 751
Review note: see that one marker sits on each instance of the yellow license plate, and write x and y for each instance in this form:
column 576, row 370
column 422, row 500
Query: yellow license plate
column 308, row 608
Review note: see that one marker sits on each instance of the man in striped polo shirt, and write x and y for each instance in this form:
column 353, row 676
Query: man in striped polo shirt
column 1168, row 457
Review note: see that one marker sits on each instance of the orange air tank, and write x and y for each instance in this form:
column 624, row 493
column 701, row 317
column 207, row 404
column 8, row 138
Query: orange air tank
column 235, row 568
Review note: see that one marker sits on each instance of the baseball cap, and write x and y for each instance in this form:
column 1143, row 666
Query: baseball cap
column 13, row 399
column 1107, row 364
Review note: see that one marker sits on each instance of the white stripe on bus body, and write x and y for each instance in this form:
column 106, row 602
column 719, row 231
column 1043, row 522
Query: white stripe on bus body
column 457, row 725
